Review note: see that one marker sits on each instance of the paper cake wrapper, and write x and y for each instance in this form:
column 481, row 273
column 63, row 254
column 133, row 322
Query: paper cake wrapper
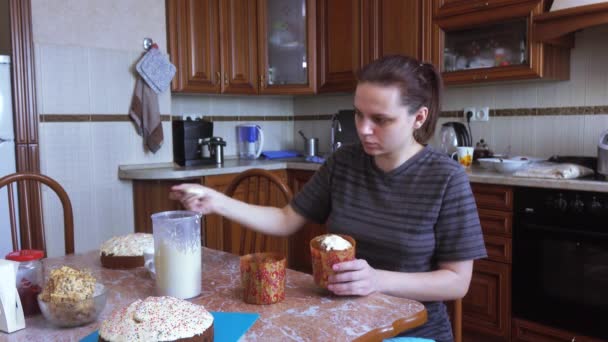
column 323, row 260
column 263, row 278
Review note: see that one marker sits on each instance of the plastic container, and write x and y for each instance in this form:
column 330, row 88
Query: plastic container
column 29, row 278
column 177, row 253
column 250, row 141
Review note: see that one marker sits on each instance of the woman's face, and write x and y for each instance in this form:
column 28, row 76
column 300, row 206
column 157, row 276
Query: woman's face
column 383, row 124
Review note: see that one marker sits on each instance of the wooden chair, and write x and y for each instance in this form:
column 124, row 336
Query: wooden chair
column 32, row 235
column 260, row 187
column 457, row 320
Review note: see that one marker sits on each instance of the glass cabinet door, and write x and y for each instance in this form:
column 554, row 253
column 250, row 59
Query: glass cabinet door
column 285, row 61
column 286, row 36
column 497, row 45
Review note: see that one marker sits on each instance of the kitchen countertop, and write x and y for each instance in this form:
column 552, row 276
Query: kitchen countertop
column 476, row 173
column 306, row 314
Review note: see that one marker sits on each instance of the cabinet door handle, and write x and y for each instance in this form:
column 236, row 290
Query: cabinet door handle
column 218, row 78
column 225, row 79
column 262, row 84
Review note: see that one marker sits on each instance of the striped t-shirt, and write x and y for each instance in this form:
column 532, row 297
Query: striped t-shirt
column 409, row 219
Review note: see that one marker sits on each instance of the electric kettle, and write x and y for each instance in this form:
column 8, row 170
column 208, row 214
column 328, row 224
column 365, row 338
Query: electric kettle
column 453, row 135
column 602, row 154
column 250, row 141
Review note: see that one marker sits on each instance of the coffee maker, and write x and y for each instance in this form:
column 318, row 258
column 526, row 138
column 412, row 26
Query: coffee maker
column 188, row 137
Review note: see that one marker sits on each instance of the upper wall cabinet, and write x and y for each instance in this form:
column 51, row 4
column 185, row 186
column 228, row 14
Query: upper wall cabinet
column 480, row 41
column 352, row 33
column 242, row 46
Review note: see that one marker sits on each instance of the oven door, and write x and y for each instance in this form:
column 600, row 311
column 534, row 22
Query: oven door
column 560, row 277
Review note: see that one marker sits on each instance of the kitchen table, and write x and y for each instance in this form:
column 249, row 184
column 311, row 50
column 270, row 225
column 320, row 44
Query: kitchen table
column 307, row 313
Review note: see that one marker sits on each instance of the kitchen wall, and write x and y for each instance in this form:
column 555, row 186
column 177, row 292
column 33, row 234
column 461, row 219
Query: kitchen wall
column 85, row 51
column 539, row 135
column 5, row 32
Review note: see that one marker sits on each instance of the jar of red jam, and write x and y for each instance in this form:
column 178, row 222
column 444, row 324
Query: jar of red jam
column 29, row 278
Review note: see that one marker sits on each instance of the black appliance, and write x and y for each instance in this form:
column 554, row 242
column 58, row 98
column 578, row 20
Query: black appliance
column 188, row 137
column 560, row 259
column 343, row 129
column 454, row 134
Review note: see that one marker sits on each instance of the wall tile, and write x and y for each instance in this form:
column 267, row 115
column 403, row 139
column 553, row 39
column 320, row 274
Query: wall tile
column 190, row 104
column 64, row 73
column 225, row 105
column 522, row 136
column 114, row 24
column 322, row 104
column 456, row 98
column 519, row 95
column 111, row 80
column 596, row 92
column 593, row 126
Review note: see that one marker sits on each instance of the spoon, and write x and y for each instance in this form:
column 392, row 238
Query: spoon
column 303, row 136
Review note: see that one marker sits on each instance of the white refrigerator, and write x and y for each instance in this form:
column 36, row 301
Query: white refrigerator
column 7, row 151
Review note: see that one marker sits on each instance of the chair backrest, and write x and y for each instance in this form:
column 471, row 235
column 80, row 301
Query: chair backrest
column 457, row 320
column 32, row 235
column 260, row 187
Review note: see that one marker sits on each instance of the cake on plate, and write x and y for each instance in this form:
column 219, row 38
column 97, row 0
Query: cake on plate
column 158, row 319
column 126, row 251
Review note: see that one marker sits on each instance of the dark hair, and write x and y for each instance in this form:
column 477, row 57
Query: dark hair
column 420, row 85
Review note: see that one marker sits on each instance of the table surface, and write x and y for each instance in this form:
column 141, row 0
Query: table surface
column 307, row 313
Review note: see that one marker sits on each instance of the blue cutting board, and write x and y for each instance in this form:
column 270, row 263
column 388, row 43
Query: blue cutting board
column 227, row 326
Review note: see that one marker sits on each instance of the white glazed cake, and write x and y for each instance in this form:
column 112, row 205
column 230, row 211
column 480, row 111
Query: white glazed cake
column 126, row 251
column 158, row 319
column 128, row 245
column 332, row 242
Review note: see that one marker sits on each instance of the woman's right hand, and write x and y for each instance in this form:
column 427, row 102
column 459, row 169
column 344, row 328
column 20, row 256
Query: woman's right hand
column 194, row 197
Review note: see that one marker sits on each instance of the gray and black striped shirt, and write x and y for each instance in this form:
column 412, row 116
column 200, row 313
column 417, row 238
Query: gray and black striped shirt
column 406, row 220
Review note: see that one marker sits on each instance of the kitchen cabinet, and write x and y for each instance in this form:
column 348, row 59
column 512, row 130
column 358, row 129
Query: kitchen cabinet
column 219, row 237
column 525, row 331
column 481, row 41
column 152, row 196
column 352, row 33
column 299, row 248
column 242, row 46
column 486, row 308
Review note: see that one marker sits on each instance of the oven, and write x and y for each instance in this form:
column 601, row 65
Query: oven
column 560, row 259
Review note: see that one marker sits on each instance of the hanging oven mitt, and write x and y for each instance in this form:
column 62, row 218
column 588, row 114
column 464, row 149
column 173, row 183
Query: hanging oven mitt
column 156, row 69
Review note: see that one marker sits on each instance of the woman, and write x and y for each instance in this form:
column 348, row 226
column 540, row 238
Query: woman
column 409, row 207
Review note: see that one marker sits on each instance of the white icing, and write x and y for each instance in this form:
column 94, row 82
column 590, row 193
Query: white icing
column 334, row 242
column 128, row 245
column 156, row 319
column 178, row 270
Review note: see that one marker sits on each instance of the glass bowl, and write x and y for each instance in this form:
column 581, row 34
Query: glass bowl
column 72, row 314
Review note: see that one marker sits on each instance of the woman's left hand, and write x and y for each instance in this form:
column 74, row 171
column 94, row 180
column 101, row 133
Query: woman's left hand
column 354, row 277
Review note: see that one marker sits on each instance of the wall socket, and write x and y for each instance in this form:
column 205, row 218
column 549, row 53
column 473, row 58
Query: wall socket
column 482, row 114
column 469, row 111
column 477, row 114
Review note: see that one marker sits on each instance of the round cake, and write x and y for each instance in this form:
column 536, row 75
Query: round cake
column 158, row 319
column 126, row 251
